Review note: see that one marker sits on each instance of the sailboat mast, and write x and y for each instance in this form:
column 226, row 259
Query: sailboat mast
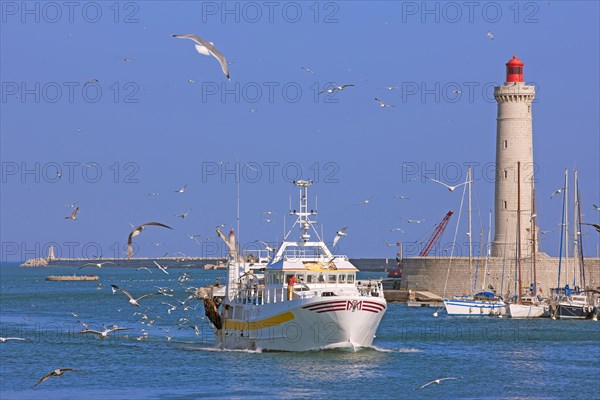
column 533, row 241
column 566, row 227
column 575, row 228
column 519, row 230
column 470, row 231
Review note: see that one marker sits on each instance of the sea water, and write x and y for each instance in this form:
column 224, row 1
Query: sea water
column 492, row 358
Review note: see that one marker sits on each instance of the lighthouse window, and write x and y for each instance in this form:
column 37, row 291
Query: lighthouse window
column 515, row 70
column 505, row 204
column 506, row 144
column 505, row 174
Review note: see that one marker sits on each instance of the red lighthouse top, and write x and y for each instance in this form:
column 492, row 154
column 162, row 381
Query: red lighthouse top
column 514, row 70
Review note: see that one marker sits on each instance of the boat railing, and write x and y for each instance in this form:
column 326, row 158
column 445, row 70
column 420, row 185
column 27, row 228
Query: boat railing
column 259, row 294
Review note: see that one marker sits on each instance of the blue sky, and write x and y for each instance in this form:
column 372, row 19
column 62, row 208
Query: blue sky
column 150, row 130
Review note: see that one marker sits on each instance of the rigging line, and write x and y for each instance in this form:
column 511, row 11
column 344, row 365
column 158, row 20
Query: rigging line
column 462, row 200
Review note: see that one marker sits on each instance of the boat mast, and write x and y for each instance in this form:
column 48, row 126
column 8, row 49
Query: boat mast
column 519, row 231
column 575, row 228
column 489, row 250
column 562, row 230
column 470, row 231
column 533, row 237
column 566, row 227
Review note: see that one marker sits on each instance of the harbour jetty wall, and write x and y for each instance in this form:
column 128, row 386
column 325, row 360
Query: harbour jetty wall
column 446, row 277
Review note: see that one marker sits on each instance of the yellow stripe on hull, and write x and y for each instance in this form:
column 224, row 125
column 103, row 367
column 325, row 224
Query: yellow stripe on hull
column 261, row 324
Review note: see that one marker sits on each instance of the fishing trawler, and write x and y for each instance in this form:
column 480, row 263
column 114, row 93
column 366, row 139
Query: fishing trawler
column 303, row 298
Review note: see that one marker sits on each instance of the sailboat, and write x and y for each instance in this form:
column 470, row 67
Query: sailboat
column 525, row 306
column 303, row 298
column 568, row 301
column 481, row 303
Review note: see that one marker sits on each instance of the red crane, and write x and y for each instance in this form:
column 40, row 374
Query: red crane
column 437, row 234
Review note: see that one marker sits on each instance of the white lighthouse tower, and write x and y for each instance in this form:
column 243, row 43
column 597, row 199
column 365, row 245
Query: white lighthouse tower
column 514, row 146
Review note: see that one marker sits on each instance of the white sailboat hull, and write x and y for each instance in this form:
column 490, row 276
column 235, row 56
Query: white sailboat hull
column 308, row 324
column 526, row 311
column 475, row 307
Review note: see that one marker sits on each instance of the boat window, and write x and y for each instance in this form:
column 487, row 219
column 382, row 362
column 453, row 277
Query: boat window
column 287, row 277
column 342, row 278
column 332, row 278
column 300, row 277
column 277, row 278
column 350, row 278
column 267, row 279
column 311, row 278
column 321, row 278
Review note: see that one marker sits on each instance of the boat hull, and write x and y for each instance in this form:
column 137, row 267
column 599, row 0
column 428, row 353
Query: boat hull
column 569, row 311
column 475, row 307
column 526, row 311
column 303, row 325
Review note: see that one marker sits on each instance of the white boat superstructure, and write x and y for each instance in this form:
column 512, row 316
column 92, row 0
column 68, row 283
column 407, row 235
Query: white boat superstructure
column 529, row 307
column 305, row 298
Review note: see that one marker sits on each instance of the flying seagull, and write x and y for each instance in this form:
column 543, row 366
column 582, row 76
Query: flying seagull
column 73, row 215
column 401, row 197
column 146, row 268
column 163, row 269
column 184, row 215
column 596, row 207
column 382, row 104
column 490, row 35
column 557, row 191
column 330, row 90
column 56, row 372
column 450, row 188
column 104, row 333
column 6, row 339
column 132, row 301
column 308, row 69
column 366, row 201
column 97, row 265
column 208, row 49
column 181, row 189
column 411, row 221
column 136, row 232
column 339, row 234
column 267, row 247
column 340, row 87
column 397, row 229
column 437, row 382
column 596, row 226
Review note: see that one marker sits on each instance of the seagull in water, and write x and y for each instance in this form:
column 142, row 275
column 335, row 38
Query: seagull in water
column 437, row 382
column 450, row 188
column 382, row 104
column 56, row 372
column 73, row 215
column 339, row 234
column 132, row 301
column 97, row 265
column 207, row 49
